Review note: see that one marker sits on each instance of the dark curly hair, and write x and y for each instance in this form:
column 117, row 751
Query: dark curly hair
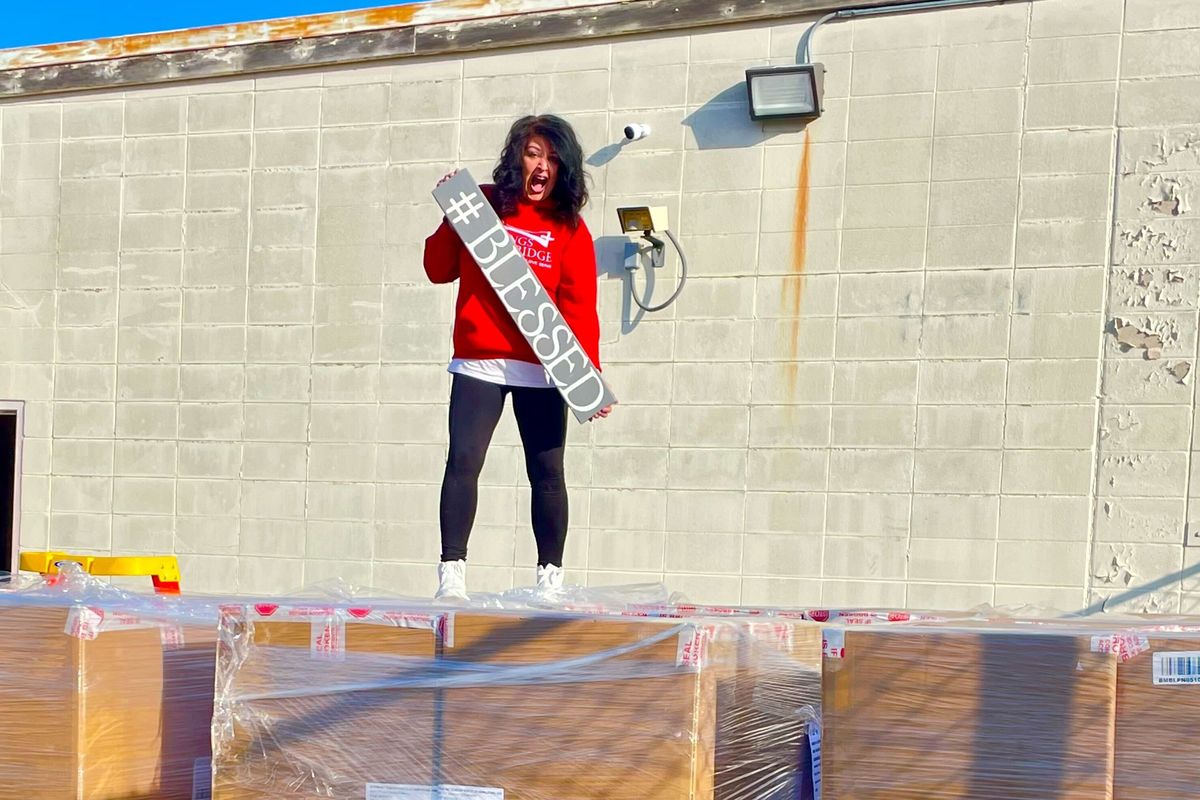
column 569, row 194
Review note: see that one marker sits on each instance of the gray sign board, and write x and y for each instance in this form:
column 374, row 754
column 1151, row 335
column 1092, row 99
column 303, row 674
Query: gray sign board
column 527, row 301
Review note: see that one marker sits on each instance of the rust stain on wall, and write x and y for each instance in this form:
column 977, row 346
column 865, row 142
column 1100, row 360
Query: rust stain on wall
column 794, row 283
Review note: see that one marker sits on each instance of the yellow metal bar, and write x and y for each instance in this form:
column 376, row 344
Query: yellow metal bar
column 163, row 569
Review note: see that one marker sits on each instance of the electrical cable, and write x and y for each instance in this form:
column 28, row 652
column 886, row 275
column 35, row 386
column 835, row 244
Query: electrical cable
column 678, row 289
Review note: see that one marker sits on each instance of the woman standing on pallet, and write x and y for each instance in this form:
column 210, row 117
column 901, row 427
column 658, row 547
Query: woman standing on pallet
column 538, row 193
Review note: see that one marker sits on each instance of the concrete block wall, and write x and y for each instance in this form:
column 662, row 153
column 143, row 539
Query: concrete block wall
column 936, row 350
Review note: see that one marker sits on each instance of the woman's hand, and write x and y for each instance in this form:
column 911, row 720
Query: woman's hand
column 601, row 414
column 446, row 177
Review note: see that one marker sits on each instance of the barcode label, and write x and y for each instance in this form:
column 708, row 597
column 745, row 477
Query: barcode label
column 1176, row 668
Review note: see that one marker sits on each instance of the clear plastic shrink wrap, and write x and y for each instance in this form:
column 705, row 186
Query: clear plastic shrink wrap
column 104, row 694
column 986, row 711
column 390, row 701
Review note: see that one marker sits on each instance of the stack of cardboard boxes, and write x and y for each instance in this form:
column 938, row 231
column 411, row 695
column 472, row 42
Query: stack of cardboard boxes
column 105, row 701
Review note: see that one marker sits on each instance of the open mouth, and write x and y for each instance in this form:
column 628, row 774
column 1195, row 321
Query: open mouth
column 538, row 183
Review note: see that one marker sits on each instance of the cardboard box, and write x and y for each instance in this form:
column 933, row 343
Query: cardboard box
column 990, row 713
column 316, row 702
column 1157, row 751
column 336, row 703
column 96, row 708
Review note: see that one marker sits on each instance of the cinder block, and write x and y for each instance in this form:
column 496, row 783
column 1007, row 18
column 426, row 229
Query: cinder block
column 706, row 468
column 710, row 426
column 155, row 115
column 952, row 559
column 32, row 123
column 883, row 338
column 1055, row 336
column 1156, row 54
column 1152, row 520
column 1046, row 472
column 154, row 155
column 891, row 72
column 212, row 499
column 696, row 384
column 1070, row 18
column 143, row 495
column 1044, row 518
column 786, row 513
column 785, row 426
column 780, row 384
column 628, row 509
column 147, row 420
column 979, row 111
column 870, row 250
column 341, row 462
column 989, row 156
column 82, row 457
column 211, row 382
column 880, row 295
column 631, row 467
column 145, row 458
column 1046, row 426
column 782, row 165
column 209, row 113
column 1148, row 15
column 1074, row 59
column 412, row 101
column 1065, row 197
column 875, row 382
column 871, row 470
column 712, row 553
column 1146, row 474
column 989, row 65
column 895, row 206
column 218, row 152
column 347, row 304
column 965, row 336
column 30, row 162
column 874, row 426
column 274, row 501
column 1061, row 243
column 1072, row 105
column 1040, row 563
column 214, row 344
column 968, row 291
column 341, row 501
column 772, row 469
column 706, row 512
column 891, row 117
column 962, row 246
column 1061, row 290
column 210, row 459
column 274, row 461
column 355, row 104
column 1165, row 101
column 959, row 471
column 937, row 517
column 865, row 557
column 990, row 202
column 84, row 382
column 210, row 420
column 408, row 143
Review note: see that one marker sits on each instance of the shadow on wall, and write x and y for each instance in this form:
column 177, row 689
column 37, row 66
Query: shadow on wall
column 610, row 263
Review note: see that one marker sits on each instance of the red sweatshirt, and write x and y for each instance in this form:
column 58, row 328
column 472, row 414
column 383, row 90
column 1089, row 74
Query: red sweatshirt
column 564, row 260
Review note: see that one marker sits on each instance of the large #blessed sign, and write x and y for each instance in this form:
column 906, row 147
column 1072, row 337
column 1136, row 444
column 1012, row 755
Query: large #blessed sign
column 535, row 314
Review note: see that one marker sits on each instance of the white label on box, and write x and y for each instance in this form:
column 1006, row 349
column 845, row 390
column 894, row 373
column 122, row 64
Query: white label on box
column 329, row 638
column 1123, row 645
column 202, row 779
column 692, row 648
column 1172, row 669
column 84, row 622
column 833, row 643
column 172, row 637
column 404, row 791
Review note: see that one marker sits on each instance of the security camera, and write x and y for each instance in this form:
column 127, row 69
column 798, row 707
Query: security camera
column 636, row 130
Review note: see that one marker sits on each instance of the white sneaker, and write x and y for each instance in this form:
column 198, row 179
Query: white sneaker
column 549, row 578
column 452, row 580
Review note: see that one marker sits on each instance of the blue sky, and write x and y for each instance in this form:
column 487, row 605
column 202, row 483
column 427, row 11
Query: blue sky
column 28, row 23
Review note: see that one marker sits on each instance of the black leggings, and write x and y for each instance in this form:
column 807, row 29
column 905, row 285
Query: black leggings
column 475, row 408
